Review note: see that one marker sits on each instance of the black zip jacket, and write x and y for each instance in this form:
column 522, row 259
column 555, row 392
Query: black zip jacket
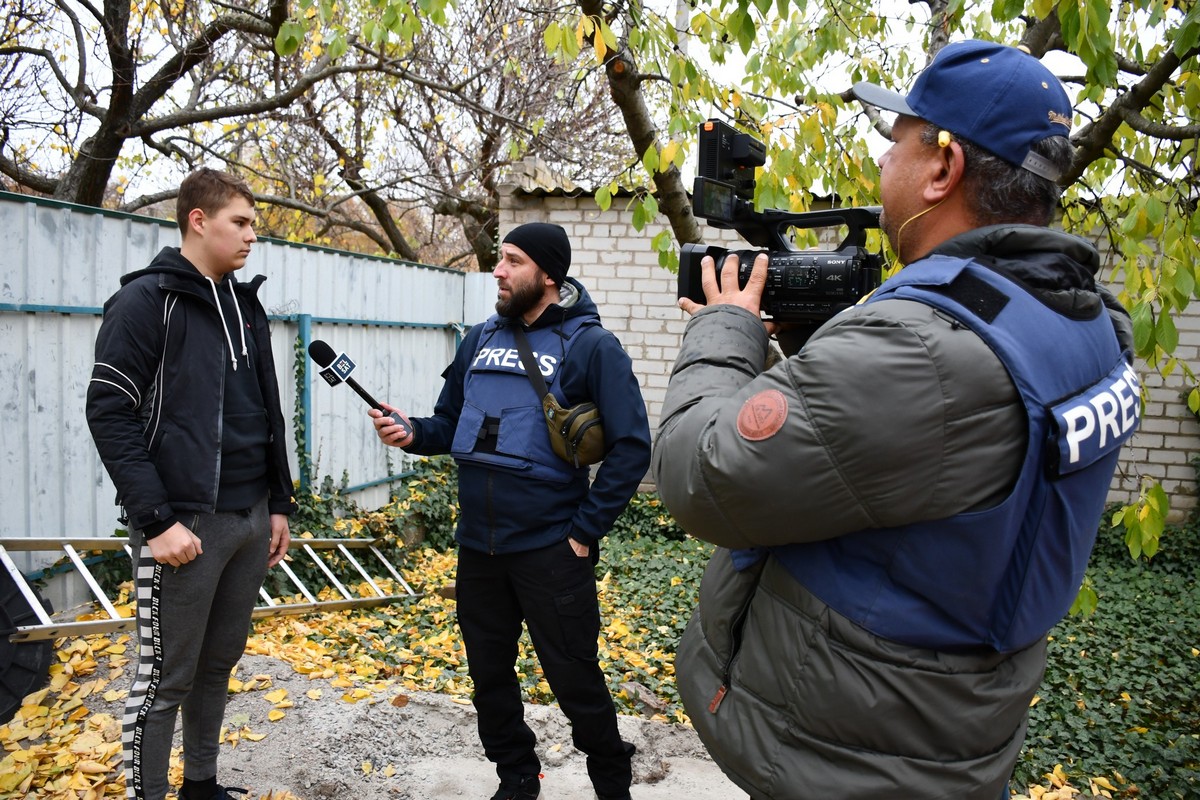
column 154, row 403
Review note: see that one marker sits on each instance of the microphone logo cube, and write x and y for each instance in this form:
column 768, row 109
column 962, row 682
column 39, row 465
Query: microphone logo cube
column 330, row 376
column 342, row 366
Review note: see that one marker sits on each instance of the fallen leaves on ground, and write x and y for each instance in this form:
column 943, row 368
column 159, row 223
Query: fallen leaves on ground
column 57, row 748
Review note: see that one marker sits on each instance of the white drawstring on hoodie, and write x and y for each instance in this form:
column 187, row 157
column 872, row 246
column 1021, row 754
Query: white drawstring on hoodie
column 225, row 326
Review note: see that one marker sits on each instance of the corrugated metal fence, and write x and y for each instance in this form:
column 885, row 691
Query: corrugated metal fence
column 399, row 321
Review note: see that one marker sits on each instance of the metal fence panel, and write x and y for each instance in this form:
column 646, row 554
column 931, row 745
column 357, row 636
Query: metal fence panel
column 399, row 321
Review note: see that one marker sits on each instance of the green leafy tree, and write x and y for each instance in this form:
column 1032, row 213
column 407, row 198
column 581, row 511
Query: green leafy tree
column 782, row 70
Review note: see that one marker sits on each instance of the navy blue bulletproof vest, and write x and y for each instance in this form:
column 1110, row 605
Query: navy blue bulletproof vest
column 1002, row 577
column 501, row 407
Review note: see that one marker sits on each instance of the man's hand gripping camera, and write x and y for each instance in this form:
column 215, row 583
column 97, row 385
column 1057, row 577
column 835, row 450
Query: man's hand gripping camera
column 802, row 285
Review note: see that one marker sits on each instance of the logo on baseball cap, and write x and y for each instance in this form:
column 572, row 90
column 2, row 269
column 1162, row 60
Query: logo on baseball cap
column 999, row 97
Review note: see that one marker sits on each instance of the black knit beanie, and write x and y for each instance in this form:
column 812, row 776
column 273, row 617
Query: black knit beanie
column 547, row 244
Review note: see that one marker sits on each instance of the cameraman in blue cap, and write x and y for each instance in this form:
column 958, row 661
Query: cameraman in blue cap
column 906, row 504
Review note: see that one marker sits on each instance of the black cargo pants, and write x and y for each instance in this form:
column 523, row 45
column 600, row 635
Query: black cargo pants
column 554, row 592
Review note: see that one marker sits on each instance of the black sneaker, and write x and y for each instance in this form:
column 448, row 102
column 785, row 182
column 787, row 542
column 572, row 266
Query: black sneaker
column 527, row 787
column 220, row 793
column 625, row 796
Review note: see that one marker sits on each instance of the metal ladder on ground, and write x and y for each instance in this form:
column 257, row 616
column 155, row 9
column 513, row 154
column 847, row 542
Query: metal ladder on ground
column 28, row 631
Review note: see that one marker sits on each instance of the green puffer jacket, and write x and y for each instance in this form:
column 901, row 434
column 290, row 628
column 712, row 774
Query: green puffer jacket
column 895, row 413
column 817, row 707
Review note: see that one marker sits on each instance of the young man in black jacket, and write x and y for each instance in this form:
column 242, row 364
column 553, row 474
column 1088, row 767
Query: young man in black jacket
column 184, row 407
column 531, row 522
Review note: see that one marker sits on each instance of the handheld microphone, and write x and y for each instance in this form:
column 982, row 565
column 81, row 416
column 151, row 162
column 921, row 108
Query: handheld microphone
column 337, row 369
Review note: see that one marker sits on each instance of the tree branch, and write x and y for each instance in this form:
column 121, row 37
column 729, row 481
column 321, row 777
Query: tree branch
column 181, row 119
column 325, row 214
column 351, row 169
column 454, row 90
column 193, row 53
column 148, row 200
column 24, row 177
column 1157, row 129
column 623, row 83
column 44, row 55
column 1092, row 140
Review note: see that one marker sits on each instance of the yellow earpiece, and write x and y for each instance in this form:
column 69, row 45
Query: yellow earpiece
column 943, row 138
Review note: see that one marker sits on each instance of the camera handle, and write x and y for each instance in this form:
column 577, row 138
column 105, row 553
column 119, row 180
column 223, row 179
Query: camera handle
column 767, row 229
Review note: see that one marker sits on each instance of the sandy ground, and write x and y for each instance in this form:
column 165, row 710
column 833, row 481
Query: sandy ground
column 423, row 746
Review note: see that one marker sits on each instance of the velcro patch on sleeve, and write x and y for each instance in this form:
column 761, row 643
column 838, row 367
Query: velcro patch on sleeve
column 762, row 415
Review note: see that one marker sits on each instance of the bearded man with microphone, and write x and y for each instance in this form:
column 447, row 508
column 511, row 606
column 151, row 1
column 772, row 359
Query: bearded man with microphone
column 532, row 521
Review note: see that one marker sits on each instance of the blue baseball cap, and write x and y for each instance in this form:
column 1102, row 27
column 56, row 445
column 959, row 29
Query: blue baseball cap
column 999, row 97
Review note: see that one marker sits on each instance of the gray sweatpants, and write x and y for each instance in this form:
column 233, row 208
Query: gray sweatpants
column 192, row 625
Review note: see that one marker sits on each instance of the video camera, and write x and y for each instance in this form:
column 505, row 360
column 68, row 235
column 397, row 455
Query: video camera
column 802, row 285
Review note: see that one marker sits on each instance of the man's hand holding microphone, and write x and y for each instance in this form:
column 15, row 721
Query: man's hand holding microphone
column 393, row 426
column 388, row 430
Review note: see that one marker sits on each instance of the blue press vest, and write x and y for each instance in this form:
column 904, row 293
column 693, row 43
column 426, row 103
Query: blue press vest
column 1002, row 577
column 496, row 386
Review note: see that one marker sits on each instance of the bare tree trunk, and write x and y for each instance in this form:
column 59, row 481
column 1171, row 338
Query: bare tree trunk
column 624, row 83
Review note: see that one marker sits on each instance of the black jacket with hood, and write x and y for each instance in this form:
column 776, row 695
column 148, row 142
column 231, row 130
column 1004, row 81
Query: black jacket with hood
column 155, row 400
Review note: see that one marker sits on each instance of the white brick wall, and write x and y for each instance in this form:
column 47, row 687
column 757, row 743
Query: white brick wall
column 636, row 299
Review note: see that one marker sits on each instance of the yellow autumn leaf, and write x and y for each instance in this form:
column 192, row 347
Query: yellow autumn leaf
column 367, row 768
column 582, row 29
column 11, row 779
column 35, row 699
column 276, row 696
column 668, row 156
column 313, row 694
column 274, row 715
